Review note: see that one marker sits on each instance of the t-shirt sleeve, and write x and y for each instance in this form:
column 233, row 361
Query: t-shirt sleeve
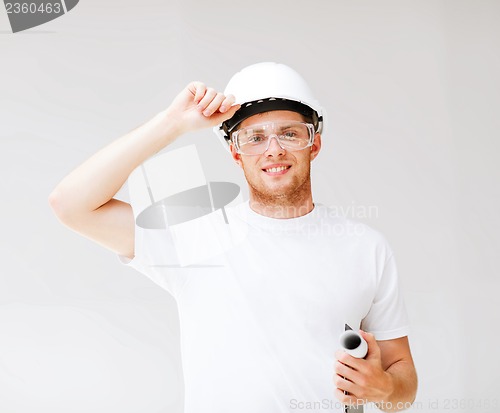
column 387, row 318
column 155, row 257
column 169, row 256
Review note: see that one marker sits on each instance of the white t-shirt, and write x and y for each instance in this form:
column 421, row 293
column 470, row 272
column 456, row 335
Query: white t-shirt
column 262, row 303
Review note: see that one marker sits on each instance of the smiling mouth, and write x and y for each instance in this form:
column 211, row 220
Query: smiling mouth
column 277, row 169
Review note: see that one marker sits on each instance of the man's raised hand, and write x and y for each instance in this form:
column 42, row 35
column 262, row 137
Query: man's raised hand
column 199, row 106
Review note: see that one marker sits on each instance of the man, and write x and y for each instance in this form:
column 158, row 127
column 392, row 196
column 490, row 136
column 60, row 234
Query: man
column 260, row 318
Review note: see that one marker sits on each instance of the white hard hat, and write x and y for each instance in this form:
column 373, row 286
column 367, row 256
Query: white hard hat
column 267, row 86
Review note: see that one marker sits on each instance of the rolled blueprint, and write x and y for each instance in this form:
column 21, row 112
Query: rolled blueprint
column 353, row 344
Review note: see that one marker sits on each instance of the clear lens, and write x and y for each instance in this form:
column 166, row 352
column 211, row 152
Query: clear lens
column 291, row 135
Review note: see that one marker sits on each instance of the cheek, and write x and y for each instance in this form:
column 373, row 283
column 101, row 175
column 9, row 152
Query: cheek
column 250, row 165
column 304, row 160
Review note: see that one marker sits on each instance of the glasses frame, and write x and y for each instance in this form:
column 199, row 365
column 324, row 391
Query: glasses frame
column 310, row 128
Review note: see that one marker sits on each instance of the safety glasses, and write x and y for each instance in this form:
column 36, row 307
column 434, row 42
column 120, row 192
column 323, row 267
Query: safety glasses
column 291, row 135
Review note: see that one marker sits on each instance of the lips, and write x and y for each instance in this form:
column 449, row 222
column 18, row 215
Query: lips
column 276, row 168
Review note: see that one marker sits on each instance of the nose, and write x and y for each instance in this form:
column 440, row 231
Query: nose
column 273, row 147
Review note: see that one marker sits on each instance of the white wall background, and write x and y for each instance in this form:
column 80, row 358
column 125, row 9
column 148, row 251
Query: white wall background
column 412, row 93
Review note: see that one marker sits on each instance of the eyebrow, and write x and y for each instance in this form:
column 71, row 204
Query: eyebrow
column 260, row 128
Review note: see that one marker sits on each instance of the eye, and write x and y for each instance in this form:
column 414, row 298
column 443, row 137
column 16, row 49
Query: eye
column 289, row 135
column 255, row 138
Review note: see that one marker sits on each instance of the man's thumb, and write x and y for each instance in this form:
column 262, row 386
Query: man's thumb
column 373, row 348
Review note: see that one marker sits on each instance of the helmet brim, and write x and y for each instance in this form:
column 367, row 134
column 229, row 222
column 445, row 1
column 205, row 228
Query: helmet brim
column 266, row 105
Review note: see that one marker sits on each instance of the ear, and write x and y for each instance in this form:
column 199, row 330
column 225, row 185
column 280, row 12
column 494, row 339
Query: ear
column 235, row 155
column 316, row 146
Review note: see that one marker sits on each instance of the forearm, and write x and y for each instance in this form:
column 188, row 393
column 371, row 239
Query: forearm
column 99, row 178
column 404, row 387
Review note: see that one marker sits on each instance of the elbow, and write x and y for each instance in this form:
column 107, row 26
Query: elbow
column 55, row 201
column 59, row 206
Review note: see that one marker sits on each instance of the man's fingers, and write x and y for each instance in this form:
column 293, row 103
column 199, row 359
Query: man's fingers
column 348, row 360
column 232, row 110
column 222, row 117
column 226, row 103
column 343, row 384
column 198, row 90
column 210, row 94
column 209, row 101
column 214, row 105
column 347, row 372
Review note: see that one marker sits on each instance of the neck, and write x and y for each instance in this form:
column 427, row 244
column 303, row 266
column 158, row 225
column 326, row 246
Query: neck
column 282, row 206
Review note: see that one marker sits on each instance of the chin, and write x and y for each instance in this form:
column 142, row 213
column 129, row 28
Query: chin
column 270, row 189
column 275, row 191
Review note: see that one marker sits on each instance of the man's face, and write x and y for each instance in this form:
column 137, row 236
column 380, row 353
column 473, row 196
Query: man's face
column 283, row 184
